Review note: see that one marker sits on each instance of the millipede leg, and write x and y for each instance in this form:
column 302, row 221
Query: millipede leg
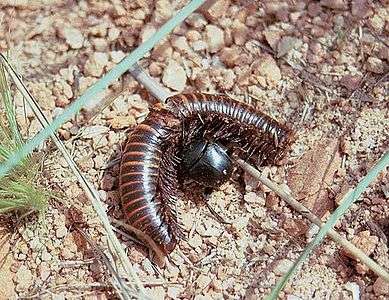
column 151, row 258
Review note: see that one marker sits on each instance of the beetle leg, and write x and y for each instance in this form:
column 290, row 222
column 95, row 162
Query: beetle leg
column 215, row 214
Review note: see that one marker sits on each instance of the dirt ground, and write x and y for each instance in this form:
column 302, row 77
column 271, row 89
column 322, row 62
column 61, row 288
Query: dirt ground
column 321, row 67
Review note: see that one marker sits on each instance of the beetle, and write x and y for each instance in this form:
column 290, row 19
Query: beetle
column 207, row 163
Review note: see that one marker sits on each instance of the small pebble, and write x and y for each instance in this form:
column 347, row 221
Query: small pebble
column 375, row 65
column 381, row 287
column 73, row 37
column 61, row 232
column 96, row 63
column 203, row 281
column 24, row 277
column 196, row 20
column 282, row 266
column 93, row 131
column 214, row 38
column 174, row 76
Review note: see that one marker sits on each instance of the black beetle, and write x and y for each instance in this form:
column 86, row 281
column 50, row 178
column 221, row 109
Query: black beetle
column 206, row 162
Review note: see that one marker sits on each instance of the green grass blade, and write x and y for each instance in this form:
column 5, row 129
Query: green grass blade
column 98, row 87
column 335, row 216
column 18, row 189
column 20, row 195
column 9, row 108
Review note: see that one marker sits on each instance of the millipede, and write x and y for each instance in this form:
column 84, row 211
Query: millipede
column 250, row 133
column 194, row 136
column 148, row 179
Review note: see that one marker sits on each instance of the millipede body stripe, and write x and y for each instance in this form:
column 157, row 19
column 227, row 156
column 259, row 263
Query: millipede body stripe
column 249, row 125
column 141, row 178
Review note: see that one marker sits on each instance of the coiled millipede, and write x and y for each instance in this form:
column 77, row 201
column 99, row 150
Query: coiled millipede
column 196, row 135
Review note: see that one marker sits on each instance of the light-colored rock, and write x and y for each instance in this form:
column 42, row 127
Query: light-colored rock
column 7, row 274
column 23, row 278
column 293, row 297
column 199, row 45
column 113, row 34
column 214, row 10
column 23, row 248
column 239, row 32
column 94, row 66
column 252, row 197
column 203, row 281
column 61, row 232
column 35, row 243
column 155, row 69
column 282, row 266
column 193, row 35
column 196, row 20
column 73, row 37
column 99, row 30
column 272, row 37
column 21, row 256
column 375, row 65
column 147, row 32
column 286, row 44
column 157, row 293
column 34, row 127
column 174, row 291
column 90, row 132
column 163, row 10
column 241, row 223
column 174, row 76
column 366, row 242
column 214, row 38
column 226, row 80
column 195, row 241
column 230, row 56
column 377, row 22
column 67, row 253
column 42, row 92
column 60, row 296
column 99, row 141
column 187, row 220
column 117, row 56
column 44, row 271
column 267, row 67
column 380, row 287
column 162, row 51
column 181, row 44
column 45, row 255
column 100, row 44
column 120, row 105
column 120, row 122
column 354, row 289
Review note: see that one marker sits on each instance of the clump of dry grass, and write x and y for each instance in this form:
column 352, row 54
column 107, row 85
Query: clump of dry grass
column 19, row 189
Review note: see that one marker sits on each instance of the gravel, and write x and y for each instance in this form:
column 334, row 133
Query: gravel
column 310, row 64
